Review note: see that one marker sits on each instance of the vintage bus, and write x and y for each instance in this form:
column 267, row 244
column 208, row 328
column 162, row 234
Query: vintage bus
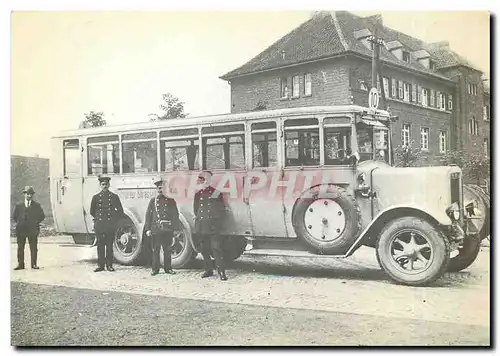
column 304, row 182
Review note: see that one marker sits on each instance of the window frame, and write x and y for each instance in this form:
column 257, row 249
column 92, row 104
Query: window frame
column 307, row 83
column 296, row 88
column 405, row 128
column 424, row 138
column 443, row 141
column 284, row 88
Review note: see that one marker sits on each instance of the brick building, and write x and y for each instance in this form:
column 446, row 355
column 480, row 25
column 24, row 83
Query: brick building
column 438, row 95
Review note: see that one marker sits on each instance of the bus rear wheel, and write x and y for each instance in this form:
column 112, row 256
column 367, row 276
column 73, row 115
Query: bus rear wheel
column 128, row 247
column 183, row 252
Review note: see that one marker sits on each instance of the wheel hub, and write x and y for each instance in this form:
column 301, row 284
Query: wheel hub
column 412, row 252
column 124, row 239
column 325, row 220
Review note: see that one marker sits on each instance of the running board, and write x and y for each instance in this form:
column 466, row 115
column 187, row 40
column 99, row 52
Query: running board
column 288, row 253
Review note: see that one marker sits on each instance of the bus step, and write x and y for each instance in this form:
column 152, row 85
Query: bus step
column 287, row 253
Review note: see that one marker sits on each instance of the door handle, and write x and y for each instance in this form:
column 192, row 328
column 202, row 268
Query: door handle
column 62, row 189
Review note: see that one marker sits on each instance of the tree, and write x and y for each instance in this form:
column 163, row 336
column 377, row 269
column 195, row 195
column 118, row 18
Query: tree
column 475, row 166
column 173, row 108
column 93, row 119
column 408, row 156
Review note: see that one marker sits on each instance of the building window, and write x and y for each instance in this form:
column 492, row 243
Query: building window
column 486, row 113
column 400, row 89
column 296, row 86
column 419, row 94
column 443, row 142
column 442, row 101
column 425, row 97
column 393, row 88
column 386, row 86
column 424, row 139
column 284, row 88
column 406, row 56
column 473, row 126
column 450, row 102
column 432, row 65
column 363, row 86
column 405, row 135
column 433, row 98
column 414, row 93
column 406, row 94
column 474, row 89
column 307, row 84
column 485, row 147
column 469, row 88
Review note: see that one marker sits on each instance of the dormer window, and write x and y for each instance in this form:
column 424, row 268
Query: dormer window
column 406, row 56
column 363, row 86
column 432, row 65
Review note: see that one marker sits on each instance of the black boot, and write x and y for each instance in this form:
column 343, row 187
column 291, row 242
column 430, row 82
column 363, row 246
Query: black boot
column 99, row 269
column 207, row 274
column 222, row 275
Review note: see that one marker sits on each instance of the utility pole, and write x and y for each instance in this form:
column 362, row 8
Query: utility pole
column 376, row 65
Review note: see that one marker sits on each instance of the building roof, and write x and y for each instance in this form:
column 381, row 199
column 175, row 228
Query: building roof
column 329, row 34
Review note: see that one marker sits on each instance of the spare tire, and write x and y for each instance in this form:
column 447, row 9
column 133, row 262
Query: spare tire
column 327, row 220
column 483, row 224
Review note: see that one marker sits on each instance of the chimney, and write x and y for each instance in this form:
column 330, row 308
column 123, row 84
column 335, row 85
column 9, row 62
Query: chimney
column 376, row 19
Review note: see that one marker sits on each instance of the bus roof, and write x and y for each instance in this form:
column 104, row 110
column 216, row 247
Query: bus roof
column 255, row 115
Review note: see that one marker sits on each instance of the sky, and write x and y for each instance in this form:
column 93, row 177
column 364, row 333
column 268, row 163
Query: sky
column 65, row 64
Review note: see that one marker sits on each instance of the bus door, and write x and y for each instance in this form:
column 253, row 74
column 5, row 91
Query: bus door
column 70, row 188
column 264, row 191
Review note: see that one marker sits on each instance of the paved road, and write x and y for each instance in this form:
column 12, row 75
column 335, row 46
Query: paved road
column 84, row 317
column 352, row 292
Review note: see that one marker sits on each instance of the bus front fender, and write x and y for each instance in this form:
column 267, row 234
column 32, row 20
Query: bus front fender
column 371, row 232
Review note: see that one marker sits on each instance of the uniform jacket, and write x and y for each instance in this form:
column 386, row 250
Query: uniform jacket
column 167, row 210
column 106, row 209
column 28, row 219
column 208, row 207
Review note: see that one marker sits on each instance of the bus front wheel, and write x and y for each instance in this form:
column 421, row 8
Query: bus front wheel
column 127, row 246
column 412, row 251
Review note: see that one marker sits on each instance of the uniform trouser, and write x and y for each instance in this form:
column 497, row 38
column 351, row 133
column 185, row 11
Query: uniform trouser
column 211, row 245
column 21, row 243
column 105, row 248
column 162, row 240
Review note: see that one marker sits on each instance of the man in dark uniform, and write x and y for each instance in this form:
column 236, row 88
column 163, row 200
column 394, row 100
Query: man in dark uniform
column 28, row 215
column 162, row 218
column 208, row 207
column 107, row 210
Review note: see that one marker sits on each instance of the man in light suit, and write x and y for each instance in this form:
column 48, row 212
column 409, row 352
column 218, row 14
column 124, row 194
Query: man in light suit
column 28, row 215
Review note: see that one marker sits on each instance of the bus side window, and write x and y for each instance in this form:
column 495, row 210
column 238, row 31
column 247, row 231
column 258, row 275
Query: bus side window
column 337, row 145
column 103, row 155
column 139, row 152
column 179, row 150
column 71, row 157
column 302, row 142
column 264, row 145
column 225, row 148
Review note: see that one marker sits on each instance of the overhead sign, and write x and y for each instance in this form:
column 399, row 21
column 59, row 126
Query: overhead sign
column 373, row 98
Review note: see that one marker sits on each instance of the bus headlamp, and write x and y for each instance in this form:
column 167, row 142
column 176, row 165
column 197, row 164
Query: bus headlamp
column 453, row 212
